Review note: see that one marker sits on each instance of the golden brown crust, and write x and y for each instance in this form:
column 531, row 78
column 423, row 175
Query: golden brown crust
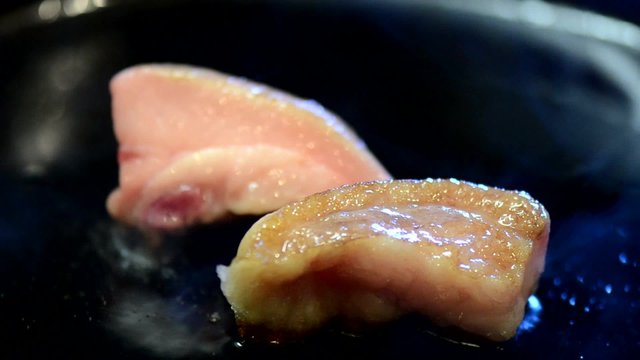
column 512, row 209
column 462, row 254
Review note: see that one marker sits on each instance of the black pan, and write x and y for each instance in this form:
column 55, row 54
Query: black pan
column 522, row 95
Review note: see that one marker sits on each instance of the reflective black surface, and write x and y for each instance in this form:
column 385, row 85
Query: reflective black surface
column 490, row 94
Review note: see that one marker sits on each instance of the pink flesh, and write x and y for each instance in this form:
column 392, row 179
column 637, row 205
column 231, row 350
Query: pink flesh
column 173, row 210
column 166, row 114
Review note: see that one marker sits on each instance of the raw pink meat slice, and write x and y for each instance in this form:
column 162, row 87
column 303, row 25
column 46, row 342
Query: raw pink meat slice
column 196, row 144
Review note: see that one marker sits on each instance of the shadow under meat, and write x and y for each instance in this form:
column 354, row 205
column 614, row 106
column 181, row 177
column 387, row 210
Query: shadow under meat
column 166, row 295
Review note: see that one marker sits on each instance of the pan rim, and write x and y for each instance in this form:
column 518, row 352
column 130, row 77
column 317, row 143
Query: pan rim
column 531, row 14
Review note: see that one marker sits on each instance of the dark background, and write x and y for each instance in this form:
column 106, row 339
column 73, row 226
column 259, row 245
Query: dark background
column 623, row 9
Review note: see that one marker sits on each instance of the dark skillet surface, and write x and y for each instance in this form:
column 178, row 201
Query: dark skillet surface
column 434, row 93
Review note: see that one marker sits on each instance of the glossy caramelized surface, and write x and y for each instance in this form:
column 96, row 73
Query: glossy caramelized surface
column 454, row 251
